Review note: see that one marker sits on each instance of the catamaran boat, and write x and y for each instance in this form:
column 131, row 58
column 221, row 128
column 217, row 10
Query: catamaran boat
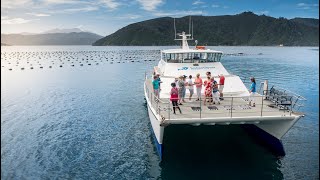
column 274, row 113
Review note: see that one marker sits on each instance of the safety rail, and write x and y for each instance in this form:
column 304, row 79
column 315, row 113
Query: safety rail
column 232, row 106
column 281, row 96
column 273, row 102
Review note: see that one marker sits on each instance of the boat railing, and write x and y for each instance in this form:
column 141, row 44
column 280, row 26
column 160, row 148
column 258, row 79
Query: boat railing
column 280, row 95
column 230, row 107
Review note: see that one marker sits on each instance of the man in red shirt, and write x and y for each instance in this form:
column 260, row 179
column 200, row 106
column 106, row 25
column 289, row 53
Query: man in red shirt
column 221, row 85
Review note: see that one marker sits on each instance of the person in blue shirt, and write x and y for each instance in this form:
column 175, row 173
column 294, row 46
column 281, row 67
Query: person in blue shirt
column 252, row 91
column 155, row 84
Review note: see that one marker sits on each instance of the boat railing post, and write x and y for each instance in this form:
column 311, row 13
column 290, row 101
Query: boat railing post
column 200, row 106
column 261, row 105
column 151, row 99
column 169, row 109
column 231, row 106
column 159, row 109
column 290, row 107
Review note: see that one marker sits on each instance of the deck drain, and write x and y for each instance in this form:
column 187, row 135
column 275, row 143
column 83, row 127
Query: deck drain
column 244, row 107
column 196, row 108
column 228, row 107
column 212, row 108
column 245, row 99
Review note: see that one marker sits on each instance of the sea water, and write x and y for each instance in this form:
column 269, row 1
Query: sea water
column 80, row 113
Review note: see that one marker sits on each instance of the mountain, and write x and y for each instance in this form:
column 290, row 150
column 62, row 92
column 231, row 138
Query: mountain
column 243, row 29
column 57, row 30
column 53, row 38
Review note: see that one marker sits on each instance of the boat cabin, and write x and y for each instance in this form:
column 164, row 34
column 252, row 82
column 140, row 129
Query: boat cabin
column 191, row 56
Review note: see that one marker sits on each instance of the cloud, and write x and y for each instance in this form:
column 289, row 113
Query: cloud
column 263, row 12
column 4, row 17
column 9, row 4
column 215, row 5
column 62, row 2
column 75, row 10
column 111, row 4
column 16, row 21
column 129, row 16
column 38, row 14
column 197, row 2
column 306, row 6
column 178, row 13
column 150, row 5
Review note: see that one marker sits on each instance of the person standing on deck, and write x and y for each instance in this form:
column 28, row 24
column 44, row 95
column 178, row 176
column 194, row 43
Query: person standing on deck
column 174, row 98
column 252, row 91
column 208, row 90
column 190, row 87
column 215, row 91
column 208, row 73
column 181, row 89
column 221, row 86
column 184, row 88
column 155, row 84
column 158, row 75
column 198, row 83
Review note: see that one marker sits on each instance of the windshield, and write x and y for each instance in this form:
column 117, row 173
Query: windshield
column 191, row 57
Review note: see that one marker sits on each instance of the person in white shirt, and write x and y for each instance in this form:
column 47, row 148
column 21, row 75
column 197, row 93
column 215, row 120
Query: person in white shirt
column 190, row 87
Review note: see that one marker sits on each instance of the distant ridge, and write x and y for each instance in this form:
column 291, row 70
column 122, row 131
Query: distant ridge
column 245, row 29
column 52, row 37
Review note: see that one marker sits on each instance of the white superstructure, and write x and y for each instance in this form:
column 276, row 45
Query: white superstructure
column 272, row 116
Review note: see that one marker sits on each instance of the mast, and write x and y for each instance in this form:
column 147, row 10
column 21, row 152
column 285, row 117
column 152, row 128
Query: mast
column 184, row 37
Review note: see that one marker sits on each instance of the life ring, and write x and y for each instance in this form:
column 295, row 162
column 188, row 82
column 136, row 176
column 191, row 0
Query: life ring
column 200, row 47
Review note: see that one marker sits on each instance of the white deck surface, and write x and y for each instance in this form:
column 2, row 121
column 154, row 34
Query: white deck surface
column 221, row 112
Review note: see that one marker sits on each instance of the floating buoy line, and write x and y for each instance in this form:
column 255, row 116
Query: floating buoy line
column 51, row 59
column 59, row 59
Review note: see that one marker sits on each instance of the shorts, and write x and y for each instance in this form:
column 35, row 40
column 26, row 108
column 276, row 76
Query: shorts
column 221, row 88
column 191, row 91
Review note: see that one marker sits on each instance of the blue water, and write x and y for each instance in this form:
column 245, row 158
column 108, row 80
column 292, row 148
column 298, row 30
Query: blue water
column 91, row 121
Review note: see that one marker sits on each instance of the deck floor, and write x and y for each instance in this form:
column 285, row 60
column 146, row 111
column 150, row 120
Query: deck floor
column 240, row 108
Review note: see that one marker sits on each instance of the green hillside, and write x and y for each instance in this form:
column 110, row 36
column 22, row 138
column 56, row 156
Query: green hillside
column 242, row 29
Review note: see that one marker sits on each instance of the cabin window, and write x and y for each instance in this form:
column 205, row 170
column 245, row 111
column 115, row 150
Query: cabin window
column 191, row 57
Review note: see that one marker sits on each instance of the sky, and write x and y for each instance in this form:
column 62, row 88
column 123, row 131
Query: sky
column 104, row 17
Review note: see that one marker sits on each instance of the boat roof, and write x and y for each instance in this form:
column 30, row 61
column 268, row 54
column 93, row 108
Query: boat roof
column 190, row 51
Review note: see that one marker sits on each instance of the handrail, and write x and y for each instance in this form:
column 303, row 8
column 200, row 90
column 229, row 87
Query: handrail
column 163, row 107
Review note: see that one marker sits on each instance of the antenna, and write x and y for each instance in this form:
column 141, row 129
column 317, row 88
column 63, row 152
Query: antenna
column 189, row 23
column 192, row 29
column 174, row 25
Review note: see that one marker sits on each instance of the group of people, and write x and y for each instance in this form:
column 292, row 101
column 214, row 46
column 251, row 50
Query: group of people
column 213, row 92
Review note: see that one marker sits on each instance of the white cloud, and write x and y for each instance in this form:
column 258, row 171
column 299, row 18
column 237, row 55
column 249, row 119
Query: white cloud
column 178, row 13
column 4, row 17
column 150, row 5
column 16, row 21
column 75, row 10
column 62, row 2
column 215, row 5
column 197, row 2
column 307, row 6
column 129, row 16
column 15, row 3
column 263, row 12
column 111, row 4
column 38, row 14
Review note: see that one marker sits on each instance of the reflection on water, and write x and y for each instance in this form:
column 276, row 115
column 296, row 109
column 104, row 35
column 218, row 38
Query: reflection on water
column 91, row 122
column 215, row 152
